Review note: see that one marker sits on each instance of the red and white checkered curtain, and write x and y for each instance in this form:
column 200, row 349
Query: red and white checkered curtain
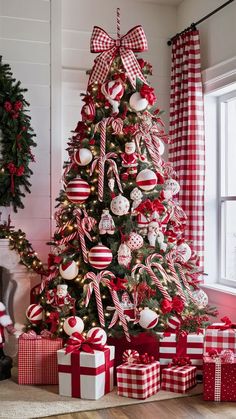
column 187, row 145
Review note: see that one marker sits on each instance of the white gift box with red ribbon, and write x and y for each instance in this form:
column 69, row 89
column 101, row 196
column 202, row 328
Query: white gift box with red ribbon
column 178, row 378
column 86, row 375
column 138, row 381
column 172, row 345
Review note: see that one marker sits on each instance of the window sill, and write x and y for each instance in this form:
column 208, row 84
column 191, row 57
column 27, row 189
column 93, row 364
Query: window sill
column 220, row 288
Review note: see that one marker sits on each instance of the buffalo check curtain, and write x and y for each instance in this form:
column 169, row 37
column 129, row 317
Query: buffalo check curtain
column 187, row 145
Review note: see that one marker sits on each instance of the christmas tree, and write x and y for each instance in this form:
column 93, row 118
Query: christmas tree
column 120, row 260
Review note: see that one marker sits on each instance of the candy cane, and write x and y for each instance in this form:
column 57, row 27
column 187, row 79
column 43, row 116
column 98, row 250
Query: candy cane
column 66, row 239
column 100, row 161
column 185, row 282
column 118, row 22
column 94, row 285
column 119, row 312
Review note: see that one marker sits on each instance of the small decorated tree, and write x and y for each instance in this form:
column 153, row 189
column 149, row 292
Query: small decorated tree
column 120, row 258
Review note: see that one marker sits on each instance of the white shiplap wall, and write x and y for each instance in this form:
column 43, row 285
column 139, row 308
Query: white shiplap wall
column 25, row 45
column 78, row 19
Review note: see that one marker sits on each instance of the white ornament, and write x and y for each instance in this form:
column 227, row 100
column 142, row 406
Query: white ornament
column 101, row 335
column 120, row 205
column 69, row 270
column 124, row 255
column 136, row 196
column 172, row 185
column 111, row 184
column 201, row 297
column 153, row 231
column 113, row 91
column 137, row 102
column 34, row 313
column 161, row 148
column 73, row 324
column 146, row 180
column 184, row 252
column 148, row 318
column 135, row 241
column 106, row 224
column 83, row 156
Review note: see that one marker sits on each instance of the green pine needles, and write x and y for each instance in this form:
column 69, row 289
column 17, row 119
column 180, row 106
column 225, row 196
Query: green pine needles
column 16, row 140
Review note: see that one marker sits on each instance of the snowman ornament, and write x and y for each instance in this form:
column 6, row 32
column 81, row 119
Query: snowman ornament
column 106, row 224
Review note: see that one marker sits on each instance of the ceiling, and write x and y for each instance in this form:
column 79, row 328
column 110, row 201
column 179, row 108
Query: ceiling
column 164, row 2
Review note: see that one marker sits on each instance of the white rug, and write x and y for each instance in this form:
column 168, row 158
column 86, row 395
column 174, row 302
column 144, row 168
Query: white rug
column 21, row 402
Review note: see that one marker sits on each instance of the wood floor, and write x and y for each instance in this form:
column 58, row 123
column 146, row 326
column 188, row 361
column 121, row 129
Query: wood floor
column 184, row 408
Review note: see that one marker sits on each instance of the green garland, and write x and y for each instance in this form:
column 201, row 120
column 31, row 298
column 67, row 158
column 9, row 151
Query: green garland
column 16, row 140
column 19, row 243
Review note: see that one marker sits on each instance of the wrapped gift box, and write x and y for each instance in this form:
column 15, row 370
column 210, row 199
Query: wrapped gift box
column 138, row 381
column 86, row 375
column 178, row 378
column 37, row 360
column 219, row 380
column 219, row 337
column 174, row 345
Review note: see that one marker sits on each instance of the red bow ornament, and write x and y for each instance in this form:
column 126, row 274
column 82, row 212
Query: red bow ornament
column 134, row 41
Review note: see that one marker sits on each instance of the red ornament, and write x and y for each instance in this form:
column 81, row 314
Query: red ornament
column 100, row 257
column 77, row 190
column 34, row 313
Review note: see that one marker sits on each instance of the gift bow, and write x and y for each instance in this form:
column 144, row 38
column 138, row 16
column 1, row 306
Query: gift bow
column 131, row 356
column 180, row 361
column 78, row 342
column 31, row 334
column 227, row 324
column 134, row 41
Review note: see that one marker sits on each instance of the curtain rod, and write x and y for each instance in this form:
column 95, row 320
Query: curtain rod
column 193, row 25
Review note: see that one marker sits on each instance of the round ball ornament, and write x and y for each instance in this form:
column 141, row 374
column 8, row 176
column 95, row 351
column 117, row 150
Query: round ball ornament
column 98, row 333
column 69, row 270
column 137, row 102
column 120, row 205
column 146, row 180
column 200, row 297
column 77, row 190
column 73, row 324
column 172, row 185
column 34, row 313
column 135, row 241
column 83, row 156
column 148, row 318
column 113, row 91
column 161, row 148
column 184, row 252
column 100, row 256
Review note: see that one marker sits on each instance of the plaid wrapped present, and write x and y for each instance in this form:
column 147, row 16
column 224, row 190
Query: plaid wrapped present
column 138, row 381
column 173, row 345
column 37, row 359
column 178, row 378
column 219, row 380
column 221, row 336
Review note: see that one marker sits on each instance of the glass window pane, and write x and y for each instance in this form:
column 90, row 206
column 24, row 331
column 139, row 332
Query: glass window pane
column 230, row 151
column 228, row 240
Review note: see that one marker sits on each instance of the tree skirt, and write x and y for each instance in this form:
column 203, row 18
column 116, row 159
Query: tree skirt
column 38, row 401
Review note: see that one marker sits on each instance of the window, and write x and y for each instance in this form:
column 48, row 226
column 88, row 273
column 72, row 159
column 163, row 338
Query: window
column 226, row 115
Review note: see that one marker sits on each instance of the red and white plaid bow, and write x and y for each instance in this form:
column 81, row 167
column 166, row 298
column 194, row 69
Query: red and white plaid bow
column 134, row 41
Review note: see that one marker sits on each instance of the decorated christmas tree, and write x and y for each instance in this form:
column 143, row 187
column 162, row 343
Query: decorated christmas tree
column 120, row 259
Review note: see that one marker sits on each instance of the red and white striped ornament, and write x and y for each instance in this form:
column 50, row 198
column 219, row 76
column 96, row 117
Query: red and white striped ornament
column 77, row 190
column 98, row 333
column 148, row 318
column 34, row 313
column 130, row 356
column 83, row 156
column 88, row 111
column 100, row 256
column 146, row 180
column 135, row 241
column 173, row 323
column 113, row 91
column 69, row 270
column 73, row 324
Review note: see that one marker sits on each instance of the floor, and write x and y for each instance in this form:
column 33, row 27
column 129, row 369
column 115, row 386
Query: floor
column 188, row 408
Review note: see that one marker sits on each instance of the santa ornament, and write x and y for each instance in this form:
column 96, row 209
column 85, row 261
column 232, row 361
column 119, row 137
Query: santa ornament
column 113, row 91
column 124, row 255
column 60, row 297
column 155, row 235
column 69, row 270
column 137, row 102
column 135, row 241
column 77, row 190
column 73, row 324
column 120, row 205
column 129, row 160
column 128, row 307
column 34, row 313
column 148, row 318
column 106, row 224
column 83, row 156
column 100, row 256
column 146, row 180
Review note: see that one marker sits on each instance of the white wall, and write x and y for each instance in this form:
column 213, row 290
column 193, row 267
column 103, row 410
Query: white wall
column 25, row 45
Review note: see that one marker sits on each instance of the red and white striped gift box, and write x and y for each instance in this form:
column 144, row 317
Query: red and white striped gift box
column 178, row 379
column 138, row 381
column 219, row 339
column 37, row 360
column 174, row 345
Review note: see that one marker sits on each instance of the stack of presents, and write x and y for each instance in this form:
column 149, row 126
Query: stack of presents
column 87, row 366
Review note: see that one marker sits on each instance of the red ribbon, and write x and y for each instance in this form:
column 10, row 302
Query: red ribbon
column 76, row 371
column 77, row 342
column 134, row 41
column 180, row 361
column 227, row 324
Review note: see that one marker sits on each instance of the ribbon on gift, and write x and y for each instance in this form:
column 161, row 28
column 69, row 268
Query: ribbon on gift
column 131, row 356
column 31, row 334
column 226, row 357
column 78, row 342
column 76, row 371
column 180, row 361
column 100, row 162
column 134, row 41
column 226, row 324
